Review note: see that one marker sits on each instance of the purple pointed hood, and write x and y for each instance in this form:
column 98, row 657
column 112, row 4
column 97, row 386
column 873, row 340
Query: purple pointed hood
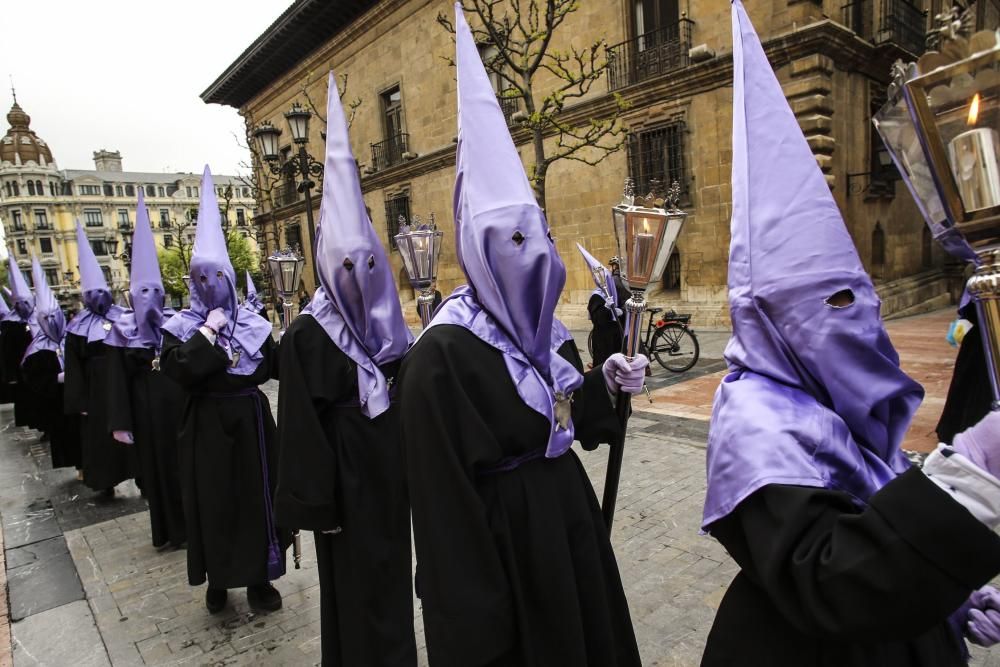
column 140, row 326
column 23, row 303
column 357, row 305
column 99, row 311
column 212, row 284
column 816, row 396
column 611, row 295
column 252, row 302
column 49, row 326
column 4, row 308
column 504, row 247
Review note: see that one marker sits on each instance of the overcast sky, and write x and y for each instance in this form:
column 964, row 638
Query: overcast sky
column 125, row 75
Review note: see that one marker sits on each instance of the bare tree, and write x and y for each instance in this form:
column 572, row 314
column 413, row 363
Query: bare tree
column 351, row 107
column 521, row 31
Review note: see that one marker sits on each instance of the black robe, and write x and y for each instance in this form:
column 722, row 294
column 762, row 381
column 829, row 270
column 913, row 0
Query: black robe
column 340, row 469
column 15, row 338
column 970, row 393
column 513, row 568
column 106, row 462
column 824, row 583
column 222, row 481
column 6, row 387
column 149, row 404
column 40, row 373
column 606, row 337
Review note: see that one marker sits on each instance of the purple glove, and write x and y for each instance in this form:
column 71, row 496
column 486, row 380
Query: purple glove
column 217, row 320
column 61, row 378
column 620, row 375
column 124, row 437
column 981, row 443
column 983, row 626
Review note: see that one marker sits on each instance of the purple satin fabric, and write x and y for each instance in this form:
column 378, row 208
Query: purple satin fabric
column 462, row 309
column 816, row 396
column 22, row 301
column 48, row 327
column 88, row 324
column 246, row 334
column 357, row 303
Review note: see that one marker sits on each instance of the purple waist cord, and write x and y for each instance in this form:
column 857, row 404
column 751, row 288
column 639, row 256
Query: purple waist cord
column 509, row 463
column 275, row 563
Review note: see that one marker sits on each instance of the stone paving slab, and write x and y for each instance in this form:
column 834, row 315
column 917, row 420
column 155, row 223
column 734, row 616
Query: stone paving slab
column 59, row 637
column 41, row 576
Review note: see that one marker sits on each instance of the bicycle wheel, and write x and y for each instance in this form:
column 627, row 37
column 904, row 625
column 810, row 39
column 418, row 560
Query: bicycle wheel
column 590, row 344
column 675, row 347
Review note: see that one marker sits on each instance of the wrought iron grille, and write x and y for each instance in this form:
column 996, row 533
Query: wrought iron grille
column 389, row 152
column 649, row 55
column 286, row 194
column 658, row 155
column 396, row 206
column 509, row 106
column 897, row 22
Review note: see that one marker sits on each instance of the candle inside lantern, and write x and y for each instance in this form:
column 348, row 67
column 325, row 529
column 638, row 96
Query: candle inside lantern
column 973, row 158
column 642, row 251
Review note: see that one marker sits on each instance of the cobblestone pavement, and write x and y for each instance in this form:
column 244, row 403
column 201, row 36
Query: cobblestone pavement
column 120, row 602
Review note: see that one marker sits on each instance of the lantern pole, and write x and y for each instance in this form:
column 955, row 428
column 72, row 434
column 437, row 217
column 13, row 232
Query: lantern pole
column 645, row 232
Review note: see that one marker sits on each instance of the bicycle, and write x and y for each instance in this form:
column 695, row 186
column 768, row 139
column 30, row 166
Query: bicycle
column 670, row 341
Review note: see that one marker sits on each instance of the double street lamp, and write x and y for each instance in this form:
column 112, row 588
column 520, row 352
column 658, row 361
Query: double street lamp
column 303, row 165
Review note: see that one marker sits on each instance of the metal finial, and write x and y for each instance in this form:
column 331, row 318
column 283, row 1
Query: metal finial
column 12, row 91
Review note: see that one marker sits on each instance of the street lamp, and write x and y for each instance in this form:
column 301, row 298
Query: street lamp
column 940, row 124
column 420, row 247
column 303, row 165
column 645, row 231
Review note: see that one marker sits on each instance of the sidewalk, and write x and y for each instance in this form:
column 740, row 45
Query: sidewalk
column 87, row 588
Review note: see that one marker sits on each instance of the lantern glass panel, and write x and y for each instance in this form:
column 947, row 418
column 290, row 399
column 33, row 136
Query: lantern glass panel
column 644, row 235
column 267, row 136
column 420, row 250
column 298, row 123
column 895, row 125
column 618, row 219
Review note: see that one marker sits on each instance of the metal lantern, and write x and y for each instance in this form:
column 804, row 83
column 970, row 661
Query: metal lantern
column 646, row 229
column 286, row 273
column 420, row 248
column 267, row 136
column 298, row 123
column 941, row 125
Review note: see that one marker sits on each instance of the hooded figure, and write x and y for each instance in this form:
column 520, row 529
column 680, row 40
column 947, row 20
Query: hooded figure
column 106, row 462
column 219, row 354
column 492, row 397
column 42, row 369
column 252, row 302
column 15, row 336
column 607, row 336
column 145, row 405
column 342, row 473
column 6, row 389
column 807, row 487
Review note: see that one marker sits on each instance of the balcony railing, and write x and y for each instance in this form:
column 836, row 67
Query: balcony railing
column 509, row 106
column 389, row 152
column 649, row 55
column 896, row 22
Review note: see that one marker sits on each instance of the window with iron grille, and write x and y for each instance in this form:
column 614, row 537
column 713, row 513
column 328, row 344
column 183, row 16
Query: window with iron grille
column 395, row 206
column 45, row 245
column 293, row 237
column 657, row 154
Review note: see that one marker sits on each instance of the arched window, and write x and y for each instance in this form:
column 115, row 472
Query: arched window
column 130, row 190
column 31, row 188
column 927, row 248
column 150, row 191
column 17, row 189
column 39, row 189
column 6, row 187
column 878, row 250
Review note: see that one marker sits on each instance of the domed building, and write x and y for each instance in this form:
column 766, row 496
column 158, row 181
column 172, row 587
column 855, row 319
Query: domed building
column 40, row 204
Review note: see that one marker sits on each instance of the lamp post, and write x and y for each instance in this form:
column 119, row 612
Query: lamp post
column 420, row 247
column 302, row 165
column 646, row 229
column 940, row 125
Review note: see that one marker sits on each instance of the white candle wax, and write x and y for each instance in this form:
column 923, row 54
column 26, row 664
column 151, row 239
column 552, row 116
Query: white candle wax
column 973, row 158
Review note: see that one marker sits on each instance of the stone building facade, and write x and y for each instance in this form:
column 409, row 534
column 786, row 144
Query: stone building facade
column 672, row 61
column 40, row 204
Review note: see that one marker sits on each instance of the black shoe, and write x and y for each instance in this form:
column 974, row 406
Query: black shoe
column 108, row 492
column 215, row 599
column 263, row 597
